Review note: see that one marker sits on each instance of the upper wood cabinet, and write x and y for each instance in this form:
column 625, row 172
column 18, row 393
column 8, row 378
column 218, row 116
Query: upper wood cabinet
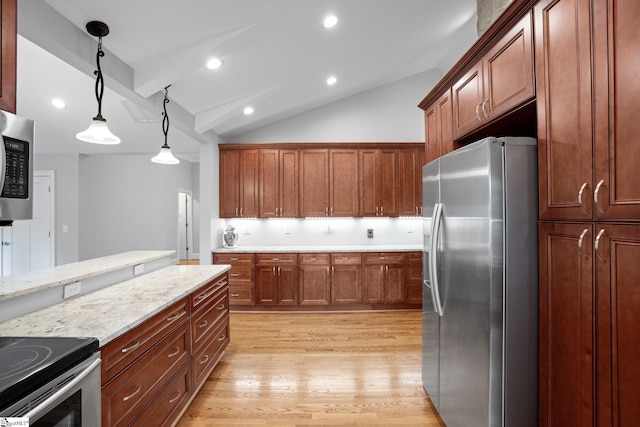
column 502, row 80
column 344, row 197
column 238, row 183
column 314, row 182
column 438, row 128
column 379, row 182
column 278, row 183
column 8, row 43
column 410, row 195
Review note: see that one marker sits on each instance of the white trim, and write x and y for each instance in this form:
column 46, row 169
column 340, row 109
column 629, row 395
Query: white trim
column 52, row 241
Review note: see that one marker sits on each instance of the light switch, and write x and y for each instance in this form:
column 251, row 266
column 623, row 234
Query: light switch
column 65, row 229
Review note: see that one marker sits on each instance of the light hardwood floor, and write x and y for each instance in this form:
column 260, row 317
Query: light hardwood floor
column 317, row 369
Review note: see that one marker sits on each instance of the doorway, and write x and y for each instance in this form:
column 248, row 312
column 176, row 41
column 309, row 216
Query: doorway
column 185, row 230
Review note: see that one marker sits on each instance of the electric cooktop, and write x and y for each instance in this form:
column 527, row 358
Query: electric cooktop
column 27, row 362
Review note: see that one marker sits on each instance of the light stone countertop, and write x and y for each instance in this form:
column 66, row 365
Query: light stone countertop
column 319, row 249
column 110, row 312
column 21, row 284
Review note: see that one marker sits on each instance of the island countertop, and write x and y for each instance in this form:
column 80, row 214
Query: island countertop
column 110, row 312
column 25, row 283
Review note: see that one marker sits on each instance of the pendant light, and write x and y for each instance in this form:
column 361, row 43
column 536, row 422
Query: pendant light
column 98, row 132
column 164, row 156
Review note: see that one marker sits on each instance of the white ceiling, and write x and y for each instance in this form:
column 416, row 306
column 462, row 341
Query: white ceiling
column 276, row 54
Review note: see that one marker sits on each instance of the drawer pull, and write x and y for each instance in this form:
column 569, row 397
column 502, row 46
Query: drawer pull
column 234, row 259
column 222, row 338
column 204, row 359
column 175, row 352
column 203, row 324
column 132, row 347
column 175, row 316
column 221, row 307
column 234, row 274
column 136, row 391
column 178, row 393
column 235, row 295
column 201, row 296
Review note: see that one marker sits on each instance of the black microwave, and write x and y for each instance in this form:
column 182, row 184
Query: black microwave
column 16, row 168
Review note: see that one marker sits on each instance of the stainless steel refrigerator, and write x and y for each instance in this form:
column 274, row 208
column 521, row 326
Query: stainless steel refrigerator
column 480, row 293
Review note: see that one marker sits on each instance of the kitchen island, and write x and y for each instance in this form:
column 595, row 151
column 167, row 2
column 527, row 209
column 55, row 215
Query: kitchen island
column 161, row 334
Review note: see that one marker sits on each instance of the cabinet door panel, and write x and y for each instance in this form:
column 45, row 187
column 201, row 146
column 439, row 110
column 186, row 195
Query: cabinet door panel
column 288, row 183
column 467, row 98
column 344, row 197
column 369, row 177
column 8, row 50
column 618, row 335
column 388, row 183
column 394, row 289
column 314, row 182
column 266, row 285
column 229, row 183
column 314, row 285
column 287, row 285
column 268, row 183
column 346, row 284
column 563, row 94
column 431, row 134
column 566, row 325
column 617, row 128
column 249, row 183
column 373, row 284
column 410, row 182
column 444, row 108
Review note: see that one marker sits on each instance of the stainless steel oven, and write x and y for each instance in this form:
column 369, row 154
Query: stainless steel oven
column 50, row 381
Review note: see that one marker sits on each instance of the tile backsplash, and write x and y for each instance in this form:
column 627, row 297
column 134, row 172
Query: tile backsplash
column 323, row 231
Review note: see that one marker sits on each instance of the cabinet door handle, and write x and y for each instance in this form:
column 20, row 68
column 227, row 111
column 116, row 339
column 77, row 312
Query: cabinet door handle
column 221, row 307
column 136, row 391
column 597, row 246
column 204, row 359
column 203, row 324
column 241, row 211
column 132, row 347
column 331, row 210
column 580, row 199
column 236, row 211
column 580, row 241
column 235, row 295
column 484, row 112
column 178, row 393
column 596, row 193
column 279, row 271
column 174, row 352
column 234, row 274
column 376, row 211
column 478, row 112
column 381, row 210
column 222, row 338
column 333, row 270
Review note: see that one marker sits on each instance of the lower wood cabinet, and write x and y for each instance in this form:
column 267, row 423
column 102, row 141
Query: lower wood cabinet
column 150, row 373
column 320, row 281
column 242, row 277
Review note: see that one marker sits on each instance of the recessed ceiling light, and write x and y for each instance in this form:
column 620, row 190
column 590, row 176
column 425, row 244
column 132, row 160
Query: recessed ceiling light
column 331, row 80
column 58, row 103
column 330, row 21
column 214, row 63
column 248, row 111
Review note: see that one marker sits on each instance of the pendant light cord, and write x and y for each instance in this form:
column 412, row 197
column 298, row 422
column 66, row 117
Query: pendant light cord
column 99, row 81
column 165, row 117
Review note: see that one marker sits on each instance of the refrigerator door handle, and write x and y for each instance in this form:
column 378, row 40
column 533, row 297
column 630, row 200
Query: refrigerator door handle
column 433, row 258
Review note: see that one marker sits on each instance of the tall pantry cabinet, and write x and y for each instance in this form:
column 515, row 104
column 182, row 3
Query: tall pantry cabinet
column 587, row 87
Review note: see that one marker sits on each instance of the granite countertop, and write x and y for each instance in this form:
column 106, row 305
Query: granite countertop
column 20, row 284
column 110, row 312
column 320, row 249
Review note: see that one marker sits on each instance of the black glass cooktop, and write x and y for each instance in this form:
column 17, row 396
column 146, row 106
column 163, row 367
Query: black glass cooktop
column 28, row 362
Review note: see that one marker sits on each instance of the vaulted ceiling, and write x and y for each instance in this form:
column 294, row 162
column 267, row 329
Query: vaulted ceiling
column 276, row 58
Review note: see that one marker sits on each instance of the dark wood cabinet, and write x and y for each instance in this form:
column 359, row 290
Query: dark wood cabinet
column 277, row 279
column 8, row 44
column 242, row 281
column 413, row 277
column 344, row 197
column 315, row 279
column 384, row 278
column 500, row 82
column 439, row 128
column 238, row 183
column 346, row 278
column 314, row 182
column 410, row 191
column 379, row 182
column 278, row 183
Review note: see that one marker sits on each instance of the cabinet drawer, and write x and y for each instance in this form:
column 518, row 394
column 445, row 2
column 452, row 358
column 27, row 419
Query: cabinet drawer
column 234, row 259
column 123, row 351
column 314, row 259
column 241, row 275
column 206, row 358
column 384, row 258
column 204, row 321
column 346, row 259
column 171, row 400
column 279, row 259
column 206, row 292
column 134, row 387
column 242, row 294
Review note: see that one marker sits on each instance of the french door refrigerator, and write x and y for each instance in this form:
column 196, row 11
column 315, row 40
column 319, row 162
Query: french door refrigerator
column 480, row 293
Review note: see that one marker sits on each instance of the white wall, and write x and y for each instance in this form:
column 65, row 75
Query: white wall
column 388, row 113
column 129, row 203
column 67, row 202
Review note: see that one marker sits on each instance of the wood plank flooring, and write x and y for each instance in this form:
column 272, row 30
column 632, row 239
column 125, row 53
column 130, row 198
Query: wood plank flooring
column 317, row 369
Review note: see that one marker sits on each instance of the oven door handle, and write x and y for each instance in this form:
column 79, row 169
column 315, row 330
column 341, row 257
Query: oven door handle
column 46, row 405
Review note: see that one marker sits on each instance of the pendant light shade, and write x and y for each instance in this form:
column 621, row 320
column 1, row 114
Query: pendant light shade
column 165, row 156
column 98, row 132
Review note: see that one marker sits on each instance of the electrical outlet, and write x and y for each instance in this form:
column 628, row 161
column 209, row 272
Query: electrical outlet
column 138, row 269
column 370, row 233
column 72, row 289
